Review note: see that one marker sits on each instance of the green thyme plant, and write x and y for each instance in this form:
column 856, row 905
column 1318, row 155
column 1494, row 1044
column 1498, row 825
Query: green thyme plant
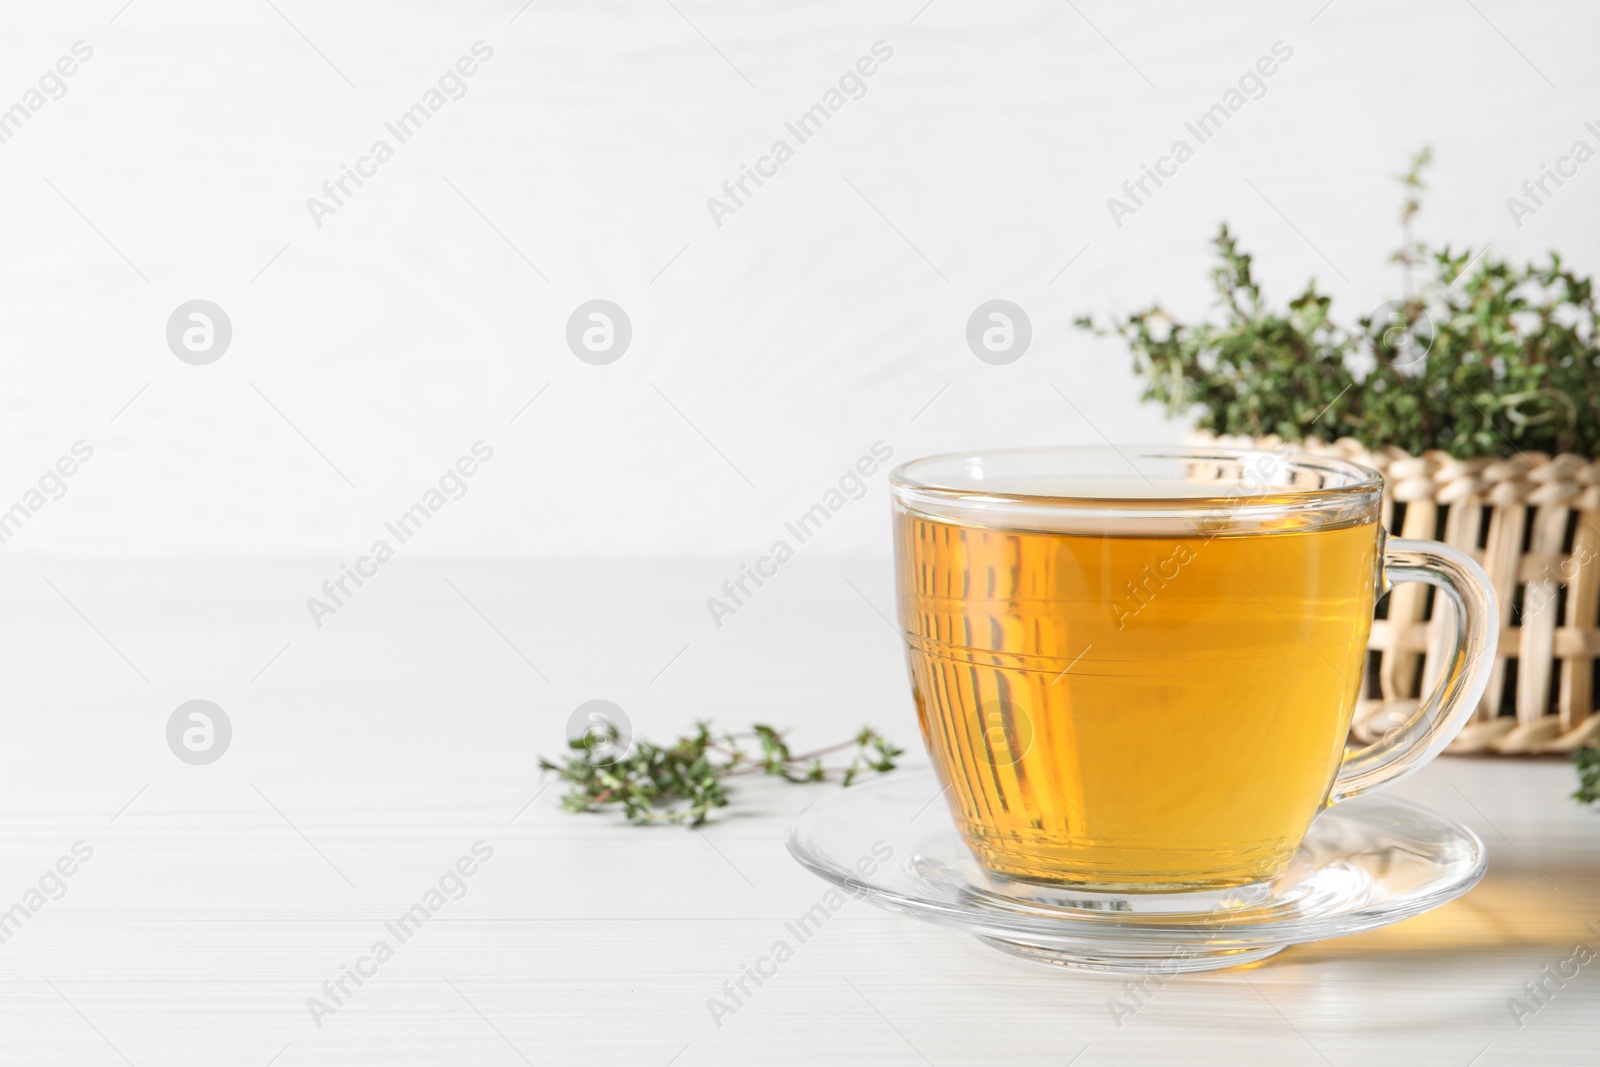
column 1477, row 357
column 682, row 782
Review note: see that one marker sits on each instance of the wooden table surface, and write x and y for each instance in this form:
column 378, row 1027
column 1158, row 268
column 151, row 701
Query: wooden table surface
column 370, row 755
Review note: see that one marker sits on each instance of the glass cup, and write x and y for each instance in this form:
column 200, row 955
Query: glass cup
column 1134, row 669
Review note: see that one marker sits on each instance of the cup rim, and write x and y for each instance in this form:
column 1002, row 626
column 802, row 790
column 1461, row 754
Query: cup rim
column 1358, row 479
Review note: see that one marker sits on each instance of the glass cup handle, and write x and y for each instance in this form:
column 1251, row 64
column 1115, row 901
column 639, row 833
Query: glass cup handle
column 1474, row 633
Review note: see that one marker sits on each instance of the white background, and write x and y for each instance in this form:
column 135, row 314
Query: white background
column 792, row 337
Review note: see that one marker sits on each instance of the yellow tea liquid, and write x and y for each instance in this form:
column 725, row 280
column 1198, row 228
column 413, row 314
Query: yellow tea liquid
column 1116, row 711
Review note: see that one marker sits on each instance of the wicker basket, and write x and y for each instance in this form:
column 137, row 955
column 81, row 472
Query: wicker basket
column 1533, row 522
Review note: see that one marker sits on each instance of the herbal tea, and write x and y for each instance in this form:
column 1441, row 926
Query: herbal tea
column 1116, row 711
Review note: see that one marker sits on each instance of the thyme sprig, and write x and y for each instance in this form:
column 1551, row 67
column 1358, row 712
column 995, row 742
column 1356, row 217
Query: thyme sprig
column 681, row 783
column 1587, row 760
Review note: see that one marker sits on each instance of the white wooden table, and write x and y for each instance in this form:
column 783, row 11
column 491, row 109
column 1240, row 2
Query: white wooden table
column 374, row 752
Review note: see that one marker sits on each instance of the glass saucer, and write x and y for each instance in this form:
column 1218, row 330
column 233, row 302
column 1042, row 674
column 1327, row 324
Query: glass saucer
column 1365, row 864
